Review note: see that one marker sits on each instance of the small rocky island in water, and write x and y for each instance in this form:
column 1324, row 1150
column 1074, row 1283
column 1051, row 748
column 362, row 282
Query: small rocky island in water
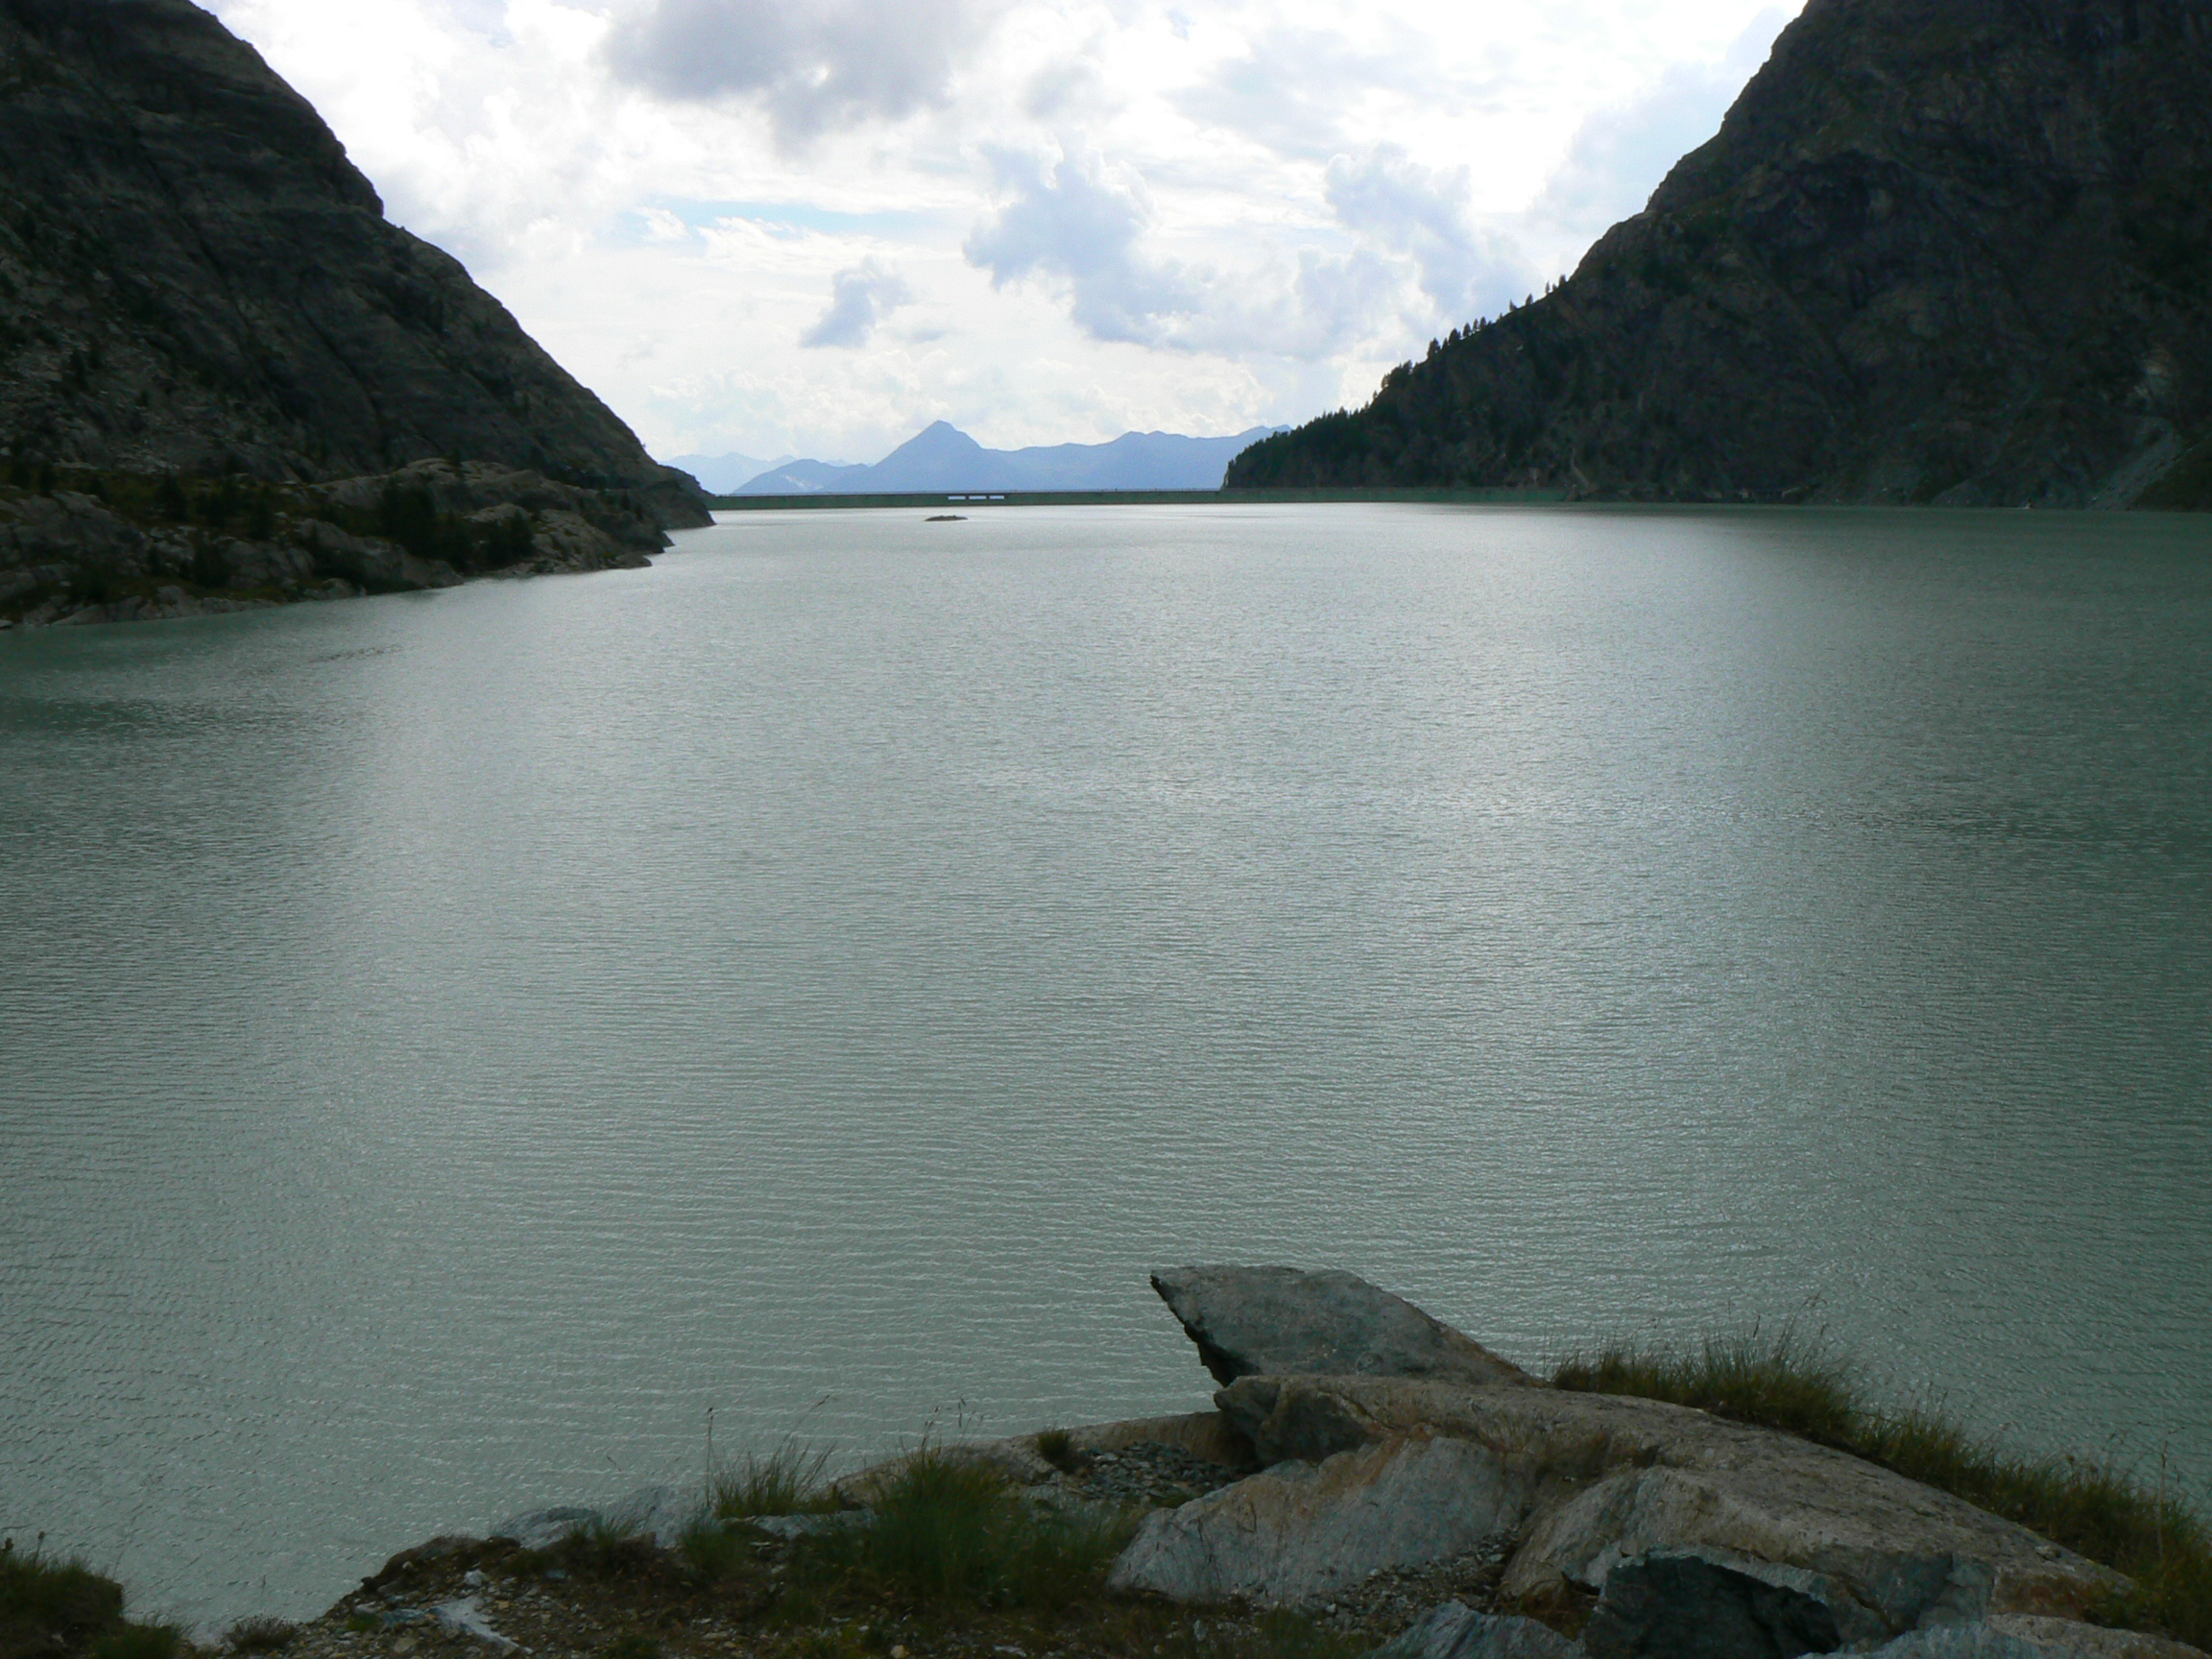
column 1370, row 1483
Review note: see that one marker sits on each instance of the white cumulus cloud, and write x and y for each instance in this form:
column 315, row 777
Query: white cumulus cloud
column 859, row 299
column 814, row 63
column 1081, row 222
column 815, row 225
column 1423, row 214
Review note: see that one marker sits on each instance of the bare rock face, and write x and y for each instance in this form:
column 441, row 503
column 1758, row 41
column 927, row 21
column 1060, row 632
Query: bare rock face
column 194, row 278
column 1691, row 1606
column 68, row 557
column 1282, row 1322
column 2022, row 1638
column 1941, row 251
column 1457, row 1631
column 1299, row 1531
column 1606, row 1480
column 2066, row 1639
column 1389, row 1441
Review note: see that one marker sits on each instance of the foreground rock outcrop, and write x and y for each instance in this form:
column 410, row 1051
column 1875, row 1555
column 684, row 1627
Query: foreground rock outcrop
column 1416, row 1497
column 1310, row 1515
column 1659, row 1529
column 1941, row 251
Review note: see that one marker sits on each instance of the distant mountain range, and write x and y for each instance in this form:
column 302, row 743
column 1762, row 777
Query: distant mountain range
column 800, row 478
column 726, row 474
column 942, row 457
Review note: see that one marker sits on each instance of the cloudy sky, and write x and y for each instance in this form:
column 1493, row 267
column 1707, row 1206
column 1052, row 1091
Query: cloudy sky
column 816, row 225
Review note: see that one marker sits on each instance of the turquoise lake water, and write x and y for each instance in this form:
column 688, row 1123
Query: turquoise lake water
column 449, row 1042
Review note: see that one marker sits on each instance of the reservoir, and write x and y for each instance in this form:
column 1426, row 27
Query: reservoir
column 451, row 1043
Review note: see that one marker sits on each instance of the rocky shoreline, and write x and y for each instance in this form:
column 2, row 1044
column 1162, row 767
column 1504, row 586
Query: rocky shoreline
column 1370, row 1483
column 88, row 547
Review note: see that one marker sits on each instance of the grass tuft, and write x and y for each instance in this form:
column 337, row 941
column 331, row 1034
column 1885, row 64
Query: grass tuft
column 789, row 1481
column 261, row 1634
column 1805, row 1388
column 949, row 1529
column 1784, row 1382
column 1057, row 1447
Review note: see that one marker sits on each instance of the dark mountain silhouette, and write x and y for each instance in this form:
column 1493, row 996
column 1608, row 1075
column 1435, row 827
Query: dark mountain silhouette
column 194, row 278
column 226, row 379
column 1941, row 251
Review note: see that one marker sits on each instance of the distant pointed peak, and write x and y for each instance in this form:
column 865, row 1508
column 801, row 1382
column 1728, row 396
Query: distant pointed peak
column 938, row 438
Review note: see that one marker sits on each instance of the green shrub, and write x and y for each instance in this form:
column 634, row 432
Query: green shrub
column 50, row 1605
column 710, row 1550
column 1804, row 1388
column 600, row 1548
column 635, row 1644
column 138, row 1641
column 949, row 1529
column 261, row 1634
column 64, row 1596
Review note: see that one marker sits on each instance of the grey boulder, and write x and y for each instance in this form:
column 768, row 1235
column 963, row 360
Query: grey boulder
column 542, row 1529
column 1687, row 1605
column 1457, row 1631
column 1282, row 1322
column 2026, row 1636
column 465, row 1618
column 1300, row 1532
column 657, row 1512
column 1604, row 1480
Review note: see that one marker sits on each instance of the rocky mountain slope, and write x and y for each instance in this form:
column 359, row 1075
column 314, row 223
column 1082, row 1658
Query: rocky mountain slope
column 123, row 548
column 196, row 283
column 1941, row 251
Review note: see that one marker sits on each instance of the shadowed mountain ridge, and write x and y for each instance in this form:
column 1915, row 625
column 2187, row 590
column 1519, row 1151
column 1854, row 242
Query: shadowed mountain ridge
column 194, row 278
column 1941, row 251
